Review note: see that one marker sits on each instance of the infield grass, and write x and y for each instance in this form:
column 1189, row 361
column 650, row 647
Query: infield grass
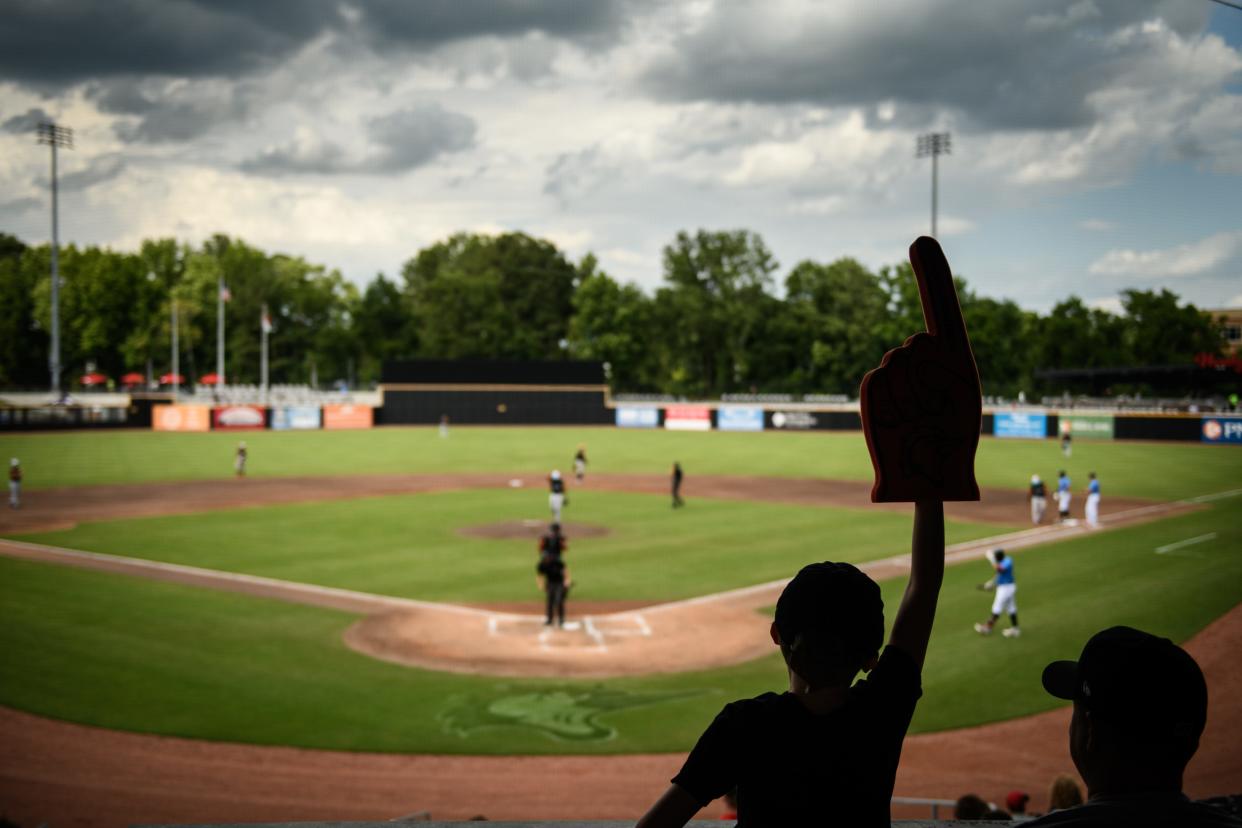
column 139, row 655
column 1151, row 470
column 410, row 546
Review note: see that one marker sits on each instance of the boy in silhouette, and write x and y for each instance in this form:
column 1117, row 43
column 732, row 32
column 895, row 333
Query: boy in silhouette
column 1140, row 705
column 826, row 739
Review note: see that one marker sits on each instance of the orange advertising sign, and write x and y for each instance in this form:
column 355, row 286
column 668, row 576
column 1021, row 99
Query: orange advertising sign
column 348, row 416
column 180, row 418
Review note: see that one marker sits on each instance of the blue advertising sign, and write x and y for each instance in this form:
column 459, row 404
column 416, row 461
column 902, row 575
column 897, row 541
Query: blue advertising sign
column 637, row 417
column 1222, row 429
column 295, row 417
column 1020, row 424
column 739, row 419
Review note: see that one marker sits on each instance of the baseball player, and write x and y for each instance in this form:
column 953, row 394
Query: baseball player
column 552, row 575
column 556, row 495
column 239, row 462
column 677, row 477
column 1039, row 499
column 1093, row 501
column 444, row 423
column 580, row 462
column 15, row 483
column 1064, row 495
column 1067, row 444
column 1003, row 583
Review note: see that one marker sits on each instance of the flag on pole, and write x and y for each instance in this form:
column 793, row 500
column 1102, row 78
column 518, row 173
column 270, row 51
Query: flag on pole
column 265, row 321
column 225, row 294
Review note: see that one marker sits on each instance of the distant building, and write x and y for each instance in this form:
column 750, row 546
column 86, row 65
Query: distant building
column 1231, row 318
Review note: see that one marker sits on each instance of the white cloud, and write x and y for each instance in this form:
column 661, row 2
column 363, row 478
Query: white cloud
column 1110, row 304
column 1181, row 261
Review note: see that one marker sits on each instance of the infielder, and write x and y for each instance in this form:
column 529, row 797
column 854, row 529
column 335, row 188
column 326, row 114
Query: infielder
column 556, row 495
column 1003, row 583
column 1093, row 501
column 239, row 462
column 552, row 575
column 580, row 462
column 1039, row 499
column 1064, row 494
column 15, row 483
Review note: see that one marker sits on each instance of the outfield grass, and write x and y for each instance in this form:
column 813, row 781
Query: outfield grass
column 139, row 655
column 1158, row 471
column 409, row 546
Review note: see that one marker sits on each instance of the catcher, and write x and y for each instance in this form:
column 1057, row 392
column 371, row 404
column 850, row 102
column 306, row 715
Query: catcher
column 1002, row 583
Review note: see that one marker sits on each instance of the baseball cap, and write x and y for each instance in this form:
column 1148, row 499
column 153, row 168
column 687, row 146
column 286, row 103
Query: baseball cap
column 556, row 475
column 836, row 599
column 1034, row 478
column 1124, row 673
column 1016, row 800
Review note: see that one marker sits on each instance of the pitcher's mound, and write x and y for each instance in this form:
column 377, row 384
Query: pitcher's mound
column 529, row 529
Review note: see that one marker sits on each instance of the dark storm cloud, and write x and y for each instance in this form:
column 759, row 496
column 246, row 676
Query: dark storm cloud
column 400, row 141
column 97, row 171
column 165, row 110
column 28, row 121
column 1020, row 65
column 52, row 44
column 433, row 22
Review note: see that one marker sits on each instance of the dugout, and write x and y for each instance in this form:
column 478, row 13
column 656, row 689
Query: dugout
column 492, row 392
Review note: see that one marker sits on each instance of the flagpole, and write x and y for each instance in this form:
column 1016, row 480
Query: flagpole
column 265, row 325
column 220, row 333
column 176, row 357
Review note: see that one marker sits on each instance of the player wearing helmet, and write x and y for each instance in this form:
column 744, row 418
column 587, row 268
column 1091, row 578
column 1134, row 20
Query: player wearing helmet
column 556, row 495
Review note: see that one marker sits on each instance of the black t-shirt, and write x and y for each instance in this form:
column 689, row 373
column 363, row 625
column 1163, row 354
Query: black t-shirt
column 792, row 766
column 551, row 567
column 557, row 486
column 1139, row 811
column 1037, row 489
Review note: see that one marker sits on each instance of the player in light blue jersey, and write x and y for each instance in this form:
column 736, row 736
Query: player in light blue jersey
column 1064, row 494
column 1005, row 587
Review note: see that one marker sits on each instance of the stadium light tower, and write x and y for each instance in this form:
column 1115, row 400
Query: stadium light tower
column 55, row 136
column 934, row 144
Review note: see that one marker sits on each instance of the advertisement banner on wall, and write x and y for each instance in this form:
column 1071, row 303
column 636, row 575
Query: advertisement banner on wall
column 180, row 417
column 239, row 418
column 1088, row 426
column 739, row 419
column 1025, row 424
column 688, row 418
column 295, row 417
column 637, row 417
column 348, row 416
column 795, row 420
column 1222, row 429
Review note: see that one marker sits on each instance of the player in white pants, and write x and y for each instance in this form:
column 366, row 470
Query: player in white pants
column 1004, row 599
column 1093, row 501
column 556, row 495
column 1064, row 495
column 1039, row 500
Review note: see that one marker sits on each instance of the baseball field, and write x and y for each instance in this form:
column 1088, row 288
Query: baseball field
column 374, row 590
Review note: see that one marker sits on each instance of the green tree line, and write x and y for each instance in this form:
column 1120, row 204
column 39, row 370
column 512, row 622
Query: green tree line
column 718, row 323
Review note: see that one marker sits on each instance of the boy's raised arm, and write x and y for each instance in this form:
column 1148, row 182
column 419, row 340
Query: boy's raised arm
column 921, row 413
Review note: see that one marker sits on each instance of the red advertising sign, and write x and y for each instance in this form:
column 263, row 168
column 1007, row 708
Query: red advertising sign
column 348, row 416
column 688, row 418
column 238, row 418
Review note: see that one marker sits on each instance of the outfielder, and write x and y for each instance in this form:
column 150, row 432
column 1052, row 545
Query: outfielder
column 1039, row 499
column 580, row 462
column 1064, row 494
column 1093, row 501
column 239, row 462
column 1003, row 583
column 15, row 483
column 556, row 495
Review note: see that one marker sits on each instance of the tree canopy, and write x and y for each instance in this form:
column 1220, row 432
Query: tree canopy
column 718, row 323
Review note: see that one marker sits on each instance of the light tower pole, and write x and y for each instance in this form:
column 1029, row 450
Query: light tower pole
column 934, row 144
column 55, row 136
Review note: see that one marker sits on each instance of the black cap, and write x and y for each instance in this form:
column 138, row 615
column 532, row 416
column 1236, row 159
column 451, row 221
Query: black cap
column 1124, row 673
column 835, row 599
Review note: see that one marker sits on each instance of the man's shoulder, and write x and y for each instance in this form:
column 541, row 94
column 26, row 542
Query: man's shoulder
column 1139, row 812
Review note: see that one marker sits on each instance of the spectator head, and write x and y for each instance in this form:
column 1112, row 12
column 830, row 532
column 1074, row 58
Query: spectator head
column 829, row 623
column 1064, row 793
column 970, row 806
column 1140, row 704
column 1016, row 801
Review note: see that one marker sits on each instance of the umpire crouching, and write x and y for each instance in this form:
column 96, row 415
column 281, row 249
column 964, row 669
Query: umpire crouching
column 552, row 574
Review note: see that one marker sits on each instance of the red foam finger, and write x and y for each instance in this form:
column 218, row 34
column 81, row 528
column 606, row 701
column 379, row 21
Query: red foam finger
column 941, row 312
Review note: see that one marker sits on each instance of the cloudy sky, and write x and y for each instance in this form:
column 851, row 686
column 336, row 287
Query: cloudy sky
column 1097, row 144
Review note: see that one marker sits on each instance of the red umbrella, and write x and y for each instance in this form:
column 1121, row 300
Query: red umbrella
column 169, row 379
column 93, row 378
column 209, row 379
column 133, row 378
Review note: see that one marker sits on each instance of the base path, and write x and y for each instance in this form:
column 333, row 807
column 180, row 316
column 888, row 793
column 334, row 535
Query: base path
column 70, row 775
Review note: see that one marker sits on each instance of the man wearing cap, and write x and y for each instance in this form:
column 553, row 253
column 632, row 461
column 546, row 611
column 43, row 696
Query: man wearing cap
column 1039, row 499
column 1015, row 803
column 556, row 495
column 1140, row 705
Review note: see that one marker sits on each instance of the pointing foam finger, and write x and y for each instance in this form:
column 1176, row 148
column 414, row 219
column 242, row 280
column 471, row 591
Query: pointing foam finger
column 941, row 312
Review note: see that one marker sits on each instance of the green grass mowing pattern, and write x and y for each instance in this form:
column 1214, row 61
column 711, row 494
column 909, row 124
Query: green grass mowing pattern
column 138, row 655
column 1158, row 471
column 409, row 546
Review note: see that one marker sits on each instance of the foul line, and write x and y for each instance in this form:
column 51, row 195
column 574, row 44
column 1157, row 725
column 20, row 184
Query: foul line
column 1169, row 547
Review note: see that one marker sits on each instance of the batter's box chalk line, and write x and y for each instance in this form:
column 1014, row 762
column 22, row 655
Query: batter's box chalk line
column 590, row 632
